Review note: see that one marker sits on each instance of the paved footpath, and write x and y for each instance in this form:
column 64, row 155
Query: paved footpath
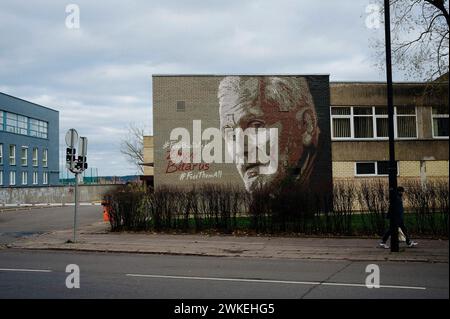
column 96, row 237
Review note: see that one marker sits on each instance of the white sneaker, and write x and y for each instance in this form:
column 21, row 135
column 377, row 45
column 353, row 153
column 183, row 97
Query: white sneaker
column 383, row 245
column 412, row 244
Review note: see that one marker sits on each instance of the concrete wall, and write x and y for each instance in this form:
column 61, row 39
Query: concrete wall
column 148, row 156
column 54, row 194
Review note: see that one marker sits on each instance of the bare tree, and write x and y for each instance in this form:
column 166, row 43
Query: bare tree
column 420, row 38
column 132, row 146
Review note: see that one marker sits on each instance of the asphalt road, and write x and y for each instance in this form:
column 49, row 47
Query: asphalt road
column 41, row 274
column 16, row 224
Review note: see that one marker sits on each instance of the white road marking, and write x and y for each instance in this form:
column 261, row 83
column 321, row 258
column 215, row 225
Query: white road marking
column 25, row 270
column 273, row 281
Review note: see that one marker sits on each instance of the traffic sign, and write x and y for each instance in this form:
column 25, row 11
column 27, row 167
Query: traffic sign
column 71, row 137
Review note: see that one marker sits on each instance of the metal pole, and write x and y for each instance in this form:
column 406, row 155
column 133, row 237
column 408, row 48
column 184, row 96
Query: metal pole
column 76, row 206
column 390, row 103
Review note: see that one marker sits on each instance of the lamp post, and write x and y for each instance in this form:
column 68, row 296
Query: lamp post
column 390, row 104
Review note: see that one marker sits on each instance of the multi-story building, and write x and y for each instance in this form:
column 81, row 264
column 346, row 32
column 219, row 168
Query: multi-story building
column 351, row 115
column 359, row 130
column 29, row 144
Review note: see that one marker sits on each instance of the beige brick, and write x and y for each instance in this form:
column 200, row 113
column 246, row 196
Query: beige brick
column 437, row 168
column 409, row 168
column 343, row 169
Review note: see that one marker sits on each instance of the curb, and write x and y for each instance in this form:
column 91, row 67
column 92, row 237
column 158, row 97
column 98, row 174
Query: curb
column 171, row 253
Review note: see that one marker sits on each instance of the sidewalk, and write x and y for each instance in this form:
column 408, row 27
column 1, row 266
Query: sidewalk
column 97, row 238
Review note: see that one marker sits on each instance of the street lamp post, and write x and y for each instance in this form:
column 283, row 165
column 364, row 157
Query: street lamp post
column 390, row 103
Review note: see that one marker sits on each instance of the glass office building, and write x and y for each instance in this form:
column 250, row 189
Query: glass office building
column 29, row 144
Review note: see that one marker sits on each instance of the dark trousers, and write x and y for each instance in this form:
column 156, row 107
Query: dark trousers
column 402, row 226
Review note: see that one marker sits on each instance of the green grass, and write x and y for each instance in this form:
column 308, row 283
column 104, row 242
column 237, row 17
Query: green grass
column 356, row 225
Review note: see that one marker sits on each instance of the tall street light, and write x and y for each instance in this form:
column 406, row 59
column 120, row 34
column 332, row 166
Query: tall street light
column 390, row 103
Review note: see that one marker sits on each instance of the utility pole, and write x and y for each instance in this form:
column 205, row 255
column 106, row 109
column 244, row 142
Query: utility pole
column 390, row 103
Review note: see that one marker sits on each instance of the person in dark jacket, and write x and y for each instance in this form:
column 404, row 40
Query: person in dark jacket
column 398, row 208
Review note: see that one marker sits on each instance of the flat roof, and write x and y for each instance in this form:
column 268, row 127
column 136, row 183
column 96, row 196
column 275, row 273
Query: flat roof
column 383, row 82
column 238, row 74
column 18, row 98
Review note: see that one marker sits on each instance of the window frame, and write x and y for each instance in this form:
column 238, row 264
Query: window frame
column 1, row 153
column 24, row 180
column 45, row 157
column 24, row 148
column 35, row 160
column 35, row 178
column 396, row 116
column 375, row 116
column 45, row 178
column 22, row 125
column 12, row 157
column 12, row 178
column 376, row 174
column 438, row 115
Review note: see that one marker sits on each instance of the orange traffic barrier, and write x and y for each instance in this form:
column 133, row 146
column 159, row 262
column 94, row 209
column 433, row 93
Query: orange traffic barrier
column 105, row 214
column 105, row 211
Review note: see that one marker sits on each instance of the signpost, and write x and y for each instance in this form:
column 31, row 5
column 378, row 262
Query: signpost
column 76, row 165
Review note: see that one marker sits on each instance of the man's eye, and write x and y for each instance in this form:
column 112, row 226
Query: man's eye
column 256, row 124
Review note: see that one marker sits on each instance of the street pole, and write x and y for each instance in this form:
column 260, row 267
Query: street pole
column 390, row 103
column 76, row 206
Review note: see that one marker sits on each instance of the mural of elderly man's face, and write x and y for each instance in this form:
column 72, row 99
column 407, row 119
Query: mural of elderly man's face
column 284, row 103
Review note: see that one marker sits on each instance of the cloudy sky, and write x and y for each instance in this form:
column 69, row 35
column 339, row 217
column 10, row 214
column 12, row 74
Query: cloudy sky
column 99, row 76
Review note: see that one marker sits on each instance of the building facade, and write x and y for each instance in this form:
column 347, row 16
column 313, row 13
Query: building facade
column 205, row 108
column 351, row 115
column 29, row 143
column 359, row 130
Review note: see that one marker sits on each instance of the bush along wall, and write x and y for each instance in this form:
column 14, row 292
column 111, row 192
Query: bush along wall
column 285, row 208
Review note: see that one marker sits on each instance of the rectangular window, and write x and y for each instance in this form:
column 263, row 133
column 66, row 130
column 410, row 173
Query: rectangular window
column 24, row 178
column 181, row 106
column 379, row 168
column 381, row 122
column 22, row 125
column 24, row 156
column 406, row 122
column 363, row 122
column 35, row 156
column 11, row 123
column 1, row 177
column 440, row 122
column 365, row 168
column 12, row 178
column 45, row 178
column 45, row 158
column 38, row 128
column 341, row 117
column 35, row 178
column 367, row 122
column 12, row 155
column 1, row 154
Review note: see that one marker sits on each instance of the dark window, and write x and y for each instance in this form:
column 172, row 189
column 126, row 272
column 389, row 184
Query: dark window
column 181, row 106
column 383, row 168
column 365, row 168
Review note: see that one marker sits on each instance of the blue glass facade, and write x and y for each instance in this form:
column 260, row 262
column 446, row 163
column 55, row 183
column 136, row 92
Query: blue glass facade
column 29, row 143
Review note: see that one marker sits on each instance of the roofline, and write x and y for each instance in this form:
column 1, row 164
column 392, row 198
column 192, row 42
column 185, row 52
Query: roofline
column 18, row 98
column 238, row 74
column 384, row 82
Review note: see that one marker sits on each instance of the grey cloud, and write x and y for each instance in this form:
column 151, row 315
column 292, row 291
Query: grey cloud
column 99, row 77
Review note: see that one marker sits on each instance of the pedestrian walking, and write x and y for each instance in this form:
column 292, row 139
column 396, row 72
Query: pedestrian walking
column 399, row 220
